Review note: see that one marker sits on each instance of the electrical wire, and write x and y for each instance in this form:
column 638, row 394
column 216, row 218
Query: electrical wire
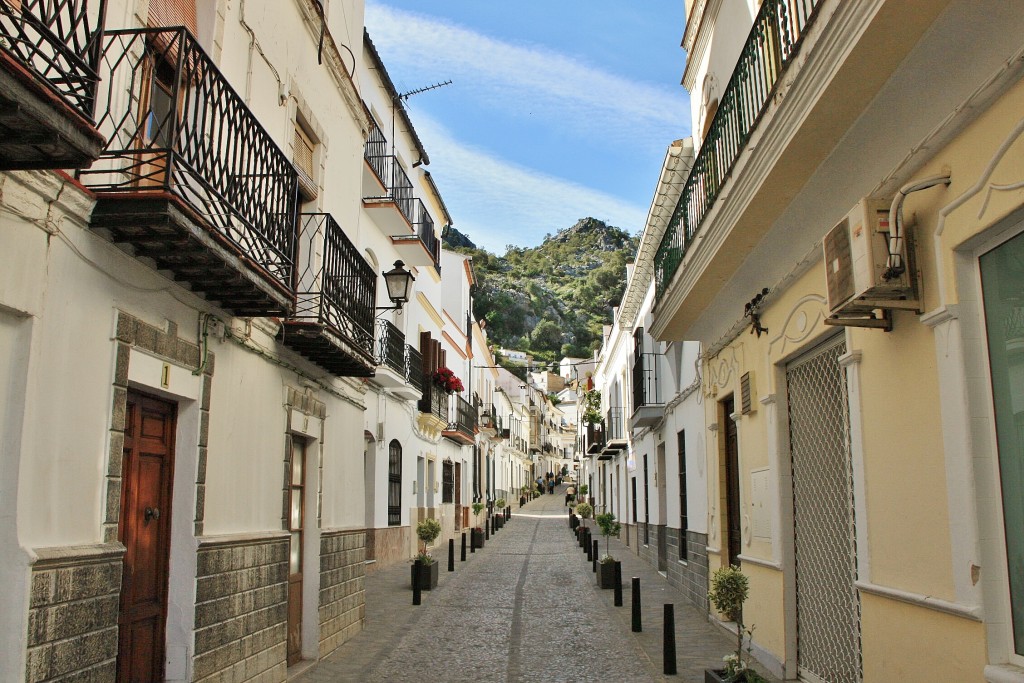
column 894, row 265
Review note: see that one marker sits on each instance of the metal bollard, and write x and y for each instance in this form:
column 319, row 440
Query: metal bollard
column 451, row 554
column 618, row 584
column 487, row 529
column 668, row 647
column 462, row 557
column 589, row 548
column 637, row 626
column 593, row 555
column 416, row 592
column 472, row 542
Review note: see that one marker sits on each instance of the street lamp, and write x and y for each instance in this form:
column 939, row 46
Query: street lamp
column 399, row 283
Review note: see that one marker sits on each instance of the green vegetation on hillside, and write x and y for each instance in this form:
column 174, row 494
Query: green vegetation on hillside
column 551, row 300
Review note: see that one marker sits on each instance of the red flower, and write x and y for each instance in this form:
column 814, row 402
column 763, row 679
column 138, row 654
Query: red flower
column 444, row 378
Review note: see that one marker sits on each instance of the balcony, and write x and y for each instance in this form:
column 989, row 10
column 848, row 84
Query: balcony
column 434, row 402
column 333, row 321
column 422, row 247
column 648, row 405
column 399, row 366
column 615, row 434
column 189, row 179
column 490, row 421
column 593, row 438
column 48, row 79
column 800, row 83
column 461, row 422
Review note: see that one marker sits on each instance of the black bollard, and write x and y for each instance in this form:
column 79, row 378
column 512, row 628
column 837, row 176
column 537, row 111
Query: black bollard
column 593, row 555
column 668, row 648
column 590, row 549
column 451, row 554
column 462, row 558
column 618, row 584
column 637, row 626
column 487, row 529
column 416, row 593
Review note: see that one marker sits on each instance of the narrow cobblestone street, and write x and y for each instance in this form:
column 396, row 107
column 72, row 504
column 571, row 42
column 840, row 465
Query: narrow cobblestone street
column 524, row 608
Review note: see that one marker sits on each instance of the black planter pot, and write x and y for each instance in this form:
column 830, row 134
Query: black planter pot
column 425, row 575
column 499, row 521
column 718, row 676
column 606, row 574
column 478, row 538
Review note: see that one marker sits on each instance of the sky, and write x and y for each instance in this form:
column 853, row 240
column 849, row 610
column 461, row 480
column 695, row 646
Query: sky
column 558, row 109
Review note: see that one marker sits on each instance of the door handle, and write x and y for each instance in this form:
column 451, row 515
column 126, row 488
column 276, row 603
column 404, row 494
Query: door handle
column 152, row 513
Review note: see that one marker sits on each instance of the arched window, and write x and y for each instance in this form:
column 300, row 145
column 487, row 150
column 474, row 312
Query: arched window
column 394, row 483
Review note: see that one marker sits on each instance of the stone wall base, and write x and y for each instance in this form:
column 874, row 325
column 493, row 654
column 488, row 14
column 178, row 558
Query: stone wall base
column 342, row 596
column 387, row 546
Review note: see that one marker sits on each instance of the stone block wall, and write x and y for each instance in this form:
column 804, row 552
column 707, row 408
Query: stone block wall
column 342, row 596
column 242, row 608
column 72, row 619
column 691, row 575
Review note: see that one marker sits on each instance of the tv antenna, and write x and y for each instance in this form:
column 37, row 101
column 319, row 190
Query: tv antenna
column 406, row 95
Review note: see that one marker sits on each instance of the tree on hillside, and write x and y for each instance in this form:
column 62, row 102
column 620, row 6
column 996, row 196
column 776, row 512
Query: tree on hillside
column 547, row 336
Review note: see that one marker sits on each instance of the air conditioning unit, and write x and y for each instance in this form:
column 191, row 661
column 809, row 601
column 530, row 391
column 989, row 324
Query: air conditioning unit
column 856, row 251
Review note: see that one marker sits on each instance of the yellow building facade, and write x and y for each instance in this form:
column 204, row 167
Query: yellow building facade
column 864, row 455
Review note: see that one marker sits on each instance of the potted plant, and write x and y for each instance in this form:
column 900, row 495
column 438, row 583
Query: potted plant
column 729, row 590
column 444, row 378
column 477, row 535
column 609, row 528
column 424, row 569
column 584, row 510
column 524, row 490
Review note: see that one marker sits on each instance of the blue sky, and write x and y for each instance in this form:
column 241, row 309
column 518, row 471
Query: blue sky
column 558, row 110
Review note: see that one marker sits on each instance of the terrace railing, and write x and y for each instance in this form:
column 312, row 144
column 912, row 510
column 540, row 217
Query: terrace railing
column 376, row 153
column 391, row 347
column 58, row 40
column 414, row 367
column 773, row 42
column 174, row 125
column 614, row 428
column 461, row 416
column 434, row 402
column 339, row 288
column 646, row 390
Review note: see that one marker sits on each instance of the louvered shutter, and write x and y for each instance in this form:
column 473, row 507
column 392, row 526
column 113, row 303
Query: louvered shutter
column 173, row 13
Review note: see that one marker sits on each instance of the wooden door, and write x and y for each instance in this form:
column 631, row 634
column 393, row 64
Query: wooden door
column 732, row 482
column 296, row 523
column 144, row 529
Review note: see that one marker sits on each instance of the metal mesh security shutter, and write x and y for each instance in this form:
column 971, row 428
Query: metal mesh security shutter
column 828, row 606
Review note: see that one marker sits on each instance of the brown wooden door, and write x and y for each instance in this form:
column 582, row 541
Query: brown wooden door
column 296, row 523
column 144, row 530
column 732, row 482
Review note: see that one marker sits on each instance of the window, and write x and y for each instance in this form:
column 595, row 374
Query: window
column 684, row 522
column 394, row 483
column 1002, row 283
column 448, row 482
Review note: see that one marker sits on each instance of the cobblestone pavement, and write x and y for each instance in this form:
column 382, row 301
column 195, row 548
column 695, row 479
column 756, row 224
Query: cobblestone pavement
column 526, row 607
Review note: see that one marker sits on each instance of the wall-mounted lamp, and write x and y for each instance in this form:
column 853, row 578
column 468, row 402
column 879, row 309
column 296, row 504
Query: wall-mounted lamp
column 399, row 283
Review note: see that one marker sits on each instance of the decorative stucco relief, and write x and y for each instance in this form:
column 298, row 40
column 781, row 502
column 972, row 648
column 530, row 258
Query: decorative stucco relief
column 801, row 322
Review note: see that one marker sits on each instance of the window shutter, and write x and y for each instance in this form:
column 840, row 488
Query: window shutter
column 746, row 391
column 303, row 159
column 173, row 13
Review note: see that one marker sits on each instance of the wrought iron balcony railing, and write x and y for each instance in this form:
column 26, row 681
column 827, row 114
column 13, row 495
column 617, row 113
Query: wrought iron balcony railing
column 461, row 419
column 376, row 153
column 489, row 417
column 414, row 367
column 398, row 187
column 394, row 353
column 773, row 42
column 58, row 41
column 646, row 390
column 391, row 346
column 176, row 128
column 434, row 401
column 613, row 425
column 337, row 288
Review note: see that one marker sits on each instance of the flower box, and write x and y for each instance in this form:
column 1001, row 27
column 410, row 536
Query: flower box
column 425, row 575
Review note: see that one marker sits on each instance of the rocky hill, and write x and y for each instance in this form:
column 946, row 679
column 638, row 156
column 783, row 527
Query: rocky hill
column 551, row 300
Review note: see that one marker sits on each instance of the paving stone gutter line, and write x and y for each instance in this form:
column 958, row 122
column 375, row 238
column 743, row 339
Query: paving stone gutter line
column 526, row 607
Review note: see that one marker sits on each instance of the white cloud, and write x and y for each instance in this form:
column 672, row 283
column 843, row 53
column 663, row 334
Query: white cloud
column 506, row 75
column 497, row 203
